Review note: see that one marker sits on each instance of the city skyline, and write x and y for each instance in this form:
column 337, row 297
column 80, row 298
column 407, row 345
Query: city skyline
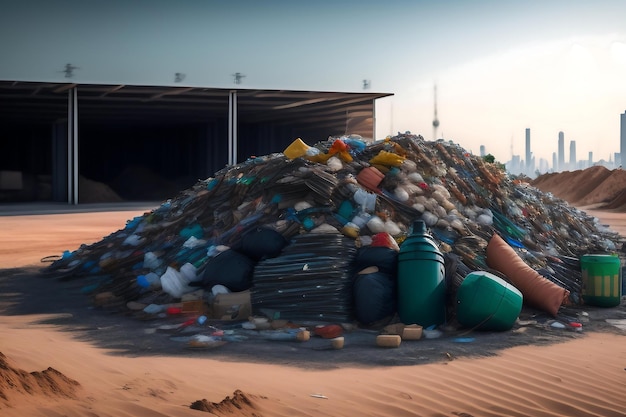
column 531, row 166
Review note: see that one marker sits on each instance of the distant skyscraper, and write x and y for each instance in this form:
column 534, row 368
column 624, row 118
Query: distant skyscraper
column 514, row 166
column 622, row 140
column 561, row 164
column 482, row 150
column 528, row 153
column 572, row 155
column 590, row 158
column 555, row 163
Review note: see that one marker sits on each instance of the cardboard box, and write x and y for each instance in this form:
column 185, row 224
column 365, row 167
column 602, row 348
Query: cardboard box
column 232, row 306
column 197, row 307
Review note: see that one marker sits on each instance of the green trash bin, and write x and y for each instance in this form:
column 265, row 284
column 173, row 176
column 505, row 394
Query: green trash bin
column 602, row 280
column 485, row 301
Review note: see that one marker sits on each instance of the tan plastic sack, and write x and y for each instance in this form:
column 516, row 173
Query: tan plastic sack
column 538, row 291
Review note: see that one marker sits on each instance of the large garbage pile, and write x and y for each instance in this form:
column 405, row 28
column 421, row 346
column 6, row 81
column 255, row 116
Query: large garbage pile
column 297, row 231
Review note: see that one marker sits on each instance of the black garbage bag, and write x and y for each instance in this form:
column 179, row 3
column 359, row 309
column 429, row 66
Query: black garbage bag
column 374, row 297
column 386, row 259
column 261, row 243
column 230, row 269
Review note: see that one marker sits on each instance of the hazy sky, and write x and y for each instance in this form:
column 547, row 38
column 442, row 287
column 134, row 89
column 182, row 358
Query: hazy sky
column 500, row 66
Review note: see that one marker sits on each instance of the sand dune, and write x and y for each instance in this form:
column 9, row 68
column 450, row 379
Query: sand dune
column 584, row 378
column 596, row 186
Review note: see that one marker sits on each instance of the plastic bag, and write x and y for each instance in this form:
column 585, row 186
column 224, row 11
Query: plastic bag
column 386, row 240
column 389, row 159
column 174, row 283
column 297, row 149
column 340, row 148
column 374, row 297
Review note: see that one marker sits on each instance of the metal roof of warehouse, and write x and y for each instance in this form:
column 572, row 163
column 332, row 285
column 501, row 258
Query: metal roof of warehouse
column 47, row 101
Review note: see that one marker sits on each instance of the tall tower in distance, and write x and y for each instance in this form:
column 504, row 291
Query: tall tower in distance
column 561, row 164
column 622, row 141
column 528, row 153
column 435, row 119
column 572, row 155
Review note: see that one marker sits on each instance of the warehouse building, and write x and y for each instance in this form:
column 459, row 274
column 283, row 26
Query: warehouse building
column 60, row 140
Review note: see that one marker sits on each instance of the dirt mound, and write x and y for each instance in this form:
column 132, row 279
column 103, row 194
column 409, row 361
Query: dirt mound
column 610, row 191
column 141, row 183
column 575, row 187
column 240, row 404
column 592, row 186
column 91, row 191
column 618, row 203
column 49, row 383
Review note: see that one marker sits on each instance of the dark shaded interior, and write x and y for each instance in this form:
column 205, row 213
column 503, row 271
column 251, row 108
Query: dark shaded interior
column 147, row 143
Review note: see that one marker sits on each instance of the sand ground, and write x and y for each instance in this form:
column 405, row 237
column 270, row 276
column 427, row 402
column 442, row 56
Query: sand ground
column 125, row 369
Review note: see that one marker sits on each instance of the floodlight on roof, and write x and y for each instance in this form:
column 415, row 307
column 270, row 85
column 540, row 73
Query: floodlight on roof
column 238, row 77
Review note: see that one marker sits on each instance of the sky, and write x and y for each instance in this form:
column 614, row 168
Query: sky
column 499, row 66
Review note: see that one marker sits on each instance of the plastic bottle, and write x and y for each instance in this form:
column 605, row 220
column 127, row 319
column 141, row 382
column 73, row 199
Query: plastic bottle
column 154, row 308
column 361, row 219
column 366, row 200
column 308, row 223
column 151, row 261
column 290, row 335
column 188, row 271
column 149, row 281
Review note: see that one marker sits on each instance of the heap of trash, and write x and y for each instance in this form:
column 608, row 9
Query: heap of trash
column 317, row 233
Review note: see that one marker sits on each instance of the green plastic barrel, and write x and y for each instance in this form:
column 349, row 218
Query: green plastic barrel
column 421, row 284
column 485, row 301
column 602, row 280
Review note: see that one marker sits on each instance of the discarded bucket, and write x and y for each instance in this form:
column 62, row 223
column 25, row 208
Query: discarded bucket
column 602, row 280
column 421, row 285
column 487, row 302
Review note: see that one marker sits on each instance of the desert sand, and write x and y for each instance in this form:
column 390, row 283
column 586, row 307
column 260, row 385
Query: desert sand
column 585, row 376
